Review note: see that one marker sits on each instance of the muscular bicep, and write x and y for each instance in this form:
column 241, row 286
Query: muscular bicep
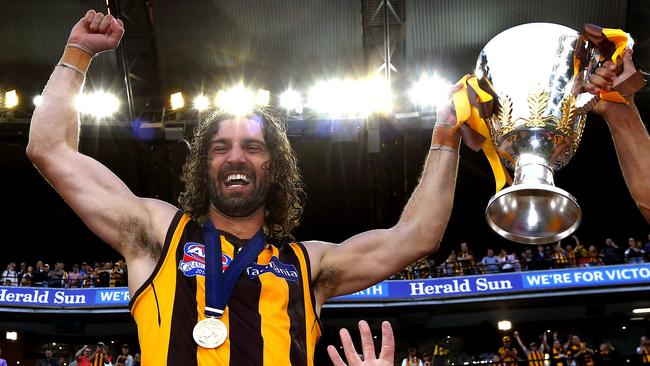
column 103, row 202
column 360, row 261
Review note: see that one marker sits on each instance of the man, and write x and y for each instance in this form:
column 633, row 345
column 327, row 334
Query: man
column 490, row 262
column 240, row 178
column 101, row 356
column 9, row 275
column 610, row 253
column 3, row 362
column 125, row 359
column 534, row 355
column 507, row 353
column 633, row 254
column 578, row 351
column 630, row 135
column 49, row 359
column 644, row 350
column 412, row 359
column 83, row 356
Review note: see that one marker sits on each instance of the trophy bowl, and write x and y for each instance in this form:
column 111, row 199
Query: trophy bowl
column 537, row 70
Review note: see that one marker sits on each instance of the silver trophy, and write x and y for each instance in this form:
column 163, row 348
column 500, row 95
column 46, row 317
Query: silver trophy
column 537, row 71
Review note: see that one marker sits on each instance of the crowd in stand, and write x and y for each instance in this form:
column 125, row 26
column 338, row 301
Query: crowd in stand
column 98, row 354
column 573, row 254
column 458, row 263
column 573, row 351
column 101, row 274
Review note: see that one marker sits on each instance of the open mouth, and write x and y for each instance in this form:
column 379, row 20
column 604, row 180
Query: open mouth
column 237, row 180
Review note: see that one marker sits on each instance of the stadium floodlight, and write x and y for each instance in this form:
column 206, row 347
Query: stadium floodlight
column 37, row 100
column 99, row 104
column 641, row 311
column 429, row 91
column 11, row 99
column 340, row 98
column 201, row 103
column 12, row 336
column 263, row 97
column 504, row 325
column 291, row 101
column 177, row 101
column 237, row 100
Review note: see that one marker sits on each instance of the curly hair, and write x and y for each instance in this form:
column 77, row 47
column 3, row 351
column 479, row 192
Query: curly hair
column 286, row 197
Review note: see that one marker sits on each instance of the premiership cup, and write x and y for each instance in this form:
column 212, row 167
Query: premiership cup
column 537, row 70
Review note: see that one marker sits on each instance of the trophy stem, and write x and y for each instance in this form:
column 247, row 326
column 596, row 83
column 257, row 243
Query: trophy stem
column 533, row 210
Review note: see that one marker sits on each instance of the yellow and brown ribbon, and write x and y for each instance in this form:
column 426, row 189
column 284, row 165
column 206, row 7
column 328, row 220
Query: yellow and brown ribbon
column 612, row 44
column 473, row 103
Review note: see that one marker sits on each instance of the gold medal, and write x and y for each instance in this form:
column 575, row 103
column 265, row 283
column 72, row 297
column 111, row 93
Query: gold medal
column 210, row 333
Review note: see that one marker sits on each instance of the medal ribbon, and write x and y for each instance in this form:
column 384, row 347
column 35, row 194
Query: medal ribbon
column 219, row 283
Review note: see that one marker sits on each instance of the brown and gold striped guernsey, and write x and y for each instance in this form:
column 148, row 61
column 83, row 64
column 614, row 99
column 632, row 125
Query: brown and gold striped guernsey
column 270, row 316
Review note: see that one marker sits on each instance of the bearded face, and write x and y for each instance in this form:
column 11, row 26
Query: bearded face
column 238, row 191
column 239, row 178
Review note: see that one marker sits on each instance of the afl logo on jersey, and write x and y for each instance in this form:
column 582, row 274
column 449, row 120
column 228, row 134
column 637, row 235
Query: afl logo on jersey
column 193, row 262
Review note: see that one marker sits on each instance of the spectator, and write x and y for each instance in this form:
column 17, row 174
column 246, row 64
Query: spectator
column 466, row 259
column 101, row 356
column 490, row 262
column 560, row 259
column 534, row 355
column 570, row 256
column 593, row 259
column 46, row 274
column 579, row 352
column 83, row 356
column 610, row 254
column 607, row 355
column 90, row 279
column 21, row 272
column 49, row 359
column 540, row 259
column 55, row 276
column 633, row 254
column 558, row 354
column 84, row 269
column 580, row 252
column 9, row 275
column 117, row 276
column 125, row 359
column 451, row 267
column 412, row 359
column 3, row 362
column 507, row 353
column 38, row 277
column 507, row 261
column 26, row 280
column 644, row 350
column 526, row 258
column 136, row 360
column 74, row 277
column 104, row 274
column 421, row 268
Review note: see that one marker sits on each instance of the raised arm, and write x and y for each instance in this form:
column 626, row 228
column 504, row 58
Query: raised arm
column 133, row 226
column 521, row 344
column 370, row 257
column 630, row 135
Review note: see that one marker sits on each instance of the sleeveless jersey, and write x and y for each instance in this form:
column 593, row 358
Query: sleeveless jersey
column 645, row 355
column 270, row 316
column 557, row 357
column 508, row 360
column 535, row 358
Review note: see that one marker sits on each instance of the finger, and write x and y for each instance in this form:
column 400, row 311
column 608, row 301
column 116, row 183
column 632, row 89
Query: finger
column 96, row 20
column 610, row 65
column 387, row 342
column 106, row 22
column 606, row 73
column 90, row 14
column 334, row 356
column 367, row 344
column 599, row 82
column 117, row 30
column 627, row 60
column 348, row 347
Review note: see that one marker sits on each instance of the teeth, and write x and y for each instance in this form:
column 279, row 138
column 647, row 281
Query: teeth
column 233, row 177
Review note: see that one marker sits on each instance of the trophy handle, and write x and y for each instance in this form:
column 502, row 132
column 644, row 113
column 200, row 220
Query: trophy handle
column 589, row 106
